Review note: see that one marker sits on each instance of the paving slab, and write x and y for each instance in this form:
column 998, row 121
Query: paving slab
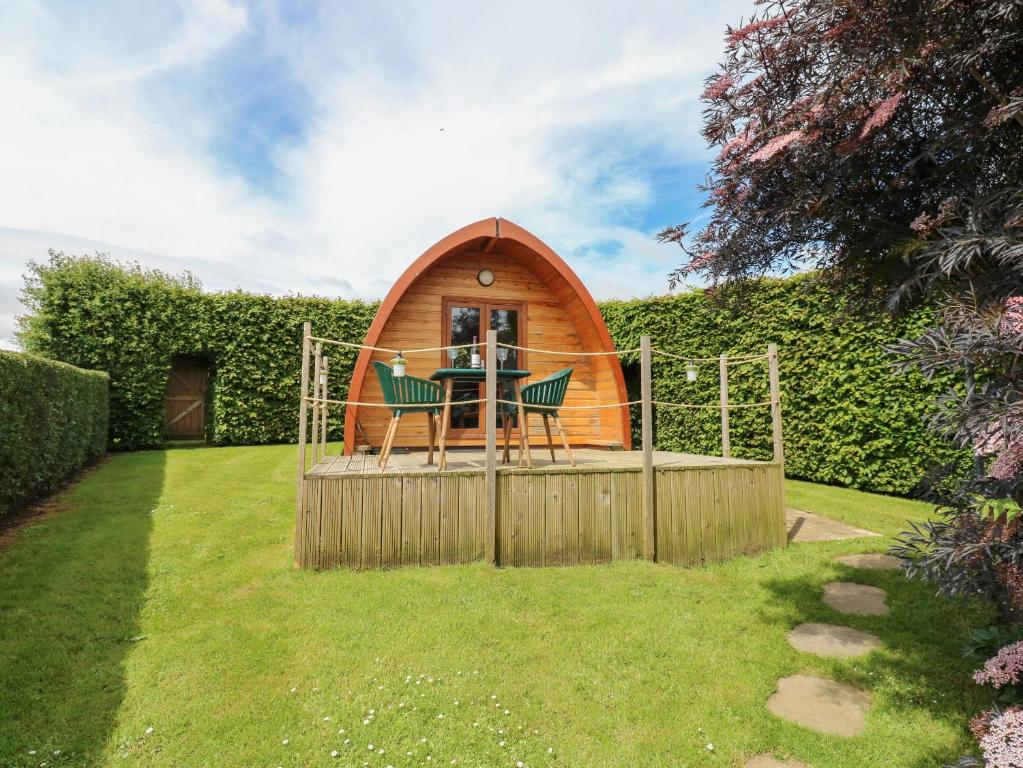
column 821, row 705
column 766, row 761
column 806, row 526
column 832, row 640
column 858, row 599
column 871, row 562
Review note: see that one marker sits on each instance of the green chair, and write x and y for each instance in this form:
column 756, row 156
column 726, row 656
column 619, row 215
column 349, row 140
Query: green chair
column 543, row 397
column 415, row 396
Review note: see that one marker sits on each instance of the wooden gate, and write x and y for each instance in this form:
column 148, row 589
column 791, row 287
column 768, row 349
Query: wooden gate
column 186, row 399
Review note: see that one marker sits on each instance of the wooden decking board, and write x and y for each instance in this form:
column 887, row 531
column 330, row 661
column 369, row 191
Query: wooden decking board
column 460, row 461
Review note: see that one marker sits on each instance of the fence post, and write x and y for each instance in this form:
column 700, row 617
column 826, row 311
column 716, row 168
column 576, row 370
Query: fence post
column 649, row 499
column 772, row 365
column 726, row 442
column 326, row 406
column 491, row 427
column 317, row 358
column 299, row 556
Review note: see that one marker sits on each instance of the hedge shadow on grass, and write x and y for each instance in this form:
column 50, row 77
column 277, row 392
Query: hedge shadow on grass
column 919, row 666
column 72, row 586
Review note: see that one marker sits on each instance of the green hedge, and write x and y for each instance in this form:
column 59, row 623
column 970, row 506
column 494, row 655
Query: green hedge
column 849, row 419
column 53, row 419
column 130, row 322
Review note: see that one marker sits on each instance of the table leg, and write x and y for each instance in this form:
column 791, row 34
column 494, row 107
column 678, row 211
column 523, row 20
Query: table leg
column 523, row 425
column 449, row 385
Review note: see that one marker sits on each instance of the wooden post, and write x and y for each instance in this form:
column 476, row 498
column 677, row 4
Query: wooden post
column 317, row 358
column 649, row 500
column 307, row 331
column 772, row 366
column 491, row 427
column 326, row 408
column 726, row 443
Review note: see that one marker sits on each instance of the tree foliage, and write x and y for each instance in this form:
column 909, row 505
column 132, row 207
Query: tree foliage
column 882, row 142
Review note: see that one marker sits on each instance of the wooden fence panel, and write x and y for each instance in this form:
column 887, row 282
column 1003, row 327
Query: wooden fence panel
column 703, row 514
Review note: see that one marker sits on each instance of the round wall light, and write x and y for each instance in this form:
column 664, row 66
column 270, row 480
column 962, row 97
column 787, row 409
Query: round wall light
column 485, row 277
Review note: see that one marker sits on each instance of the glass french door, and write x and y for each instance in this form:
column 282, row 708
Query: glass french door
column 464, row 320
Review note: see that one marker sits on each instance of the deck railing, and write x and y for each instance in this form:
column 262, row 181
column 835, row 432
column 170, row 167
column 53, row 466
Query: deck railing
column 315, row 406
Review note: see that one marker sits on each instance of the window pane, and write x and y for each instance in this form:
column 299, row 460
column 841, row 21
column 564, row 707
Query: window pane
column 506, row 323
column 465, row 325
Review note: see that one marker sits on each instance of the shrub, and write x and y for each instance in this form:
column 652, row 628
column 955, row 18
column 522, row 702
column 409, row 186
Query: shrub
column 53, row 419
column 849, row 418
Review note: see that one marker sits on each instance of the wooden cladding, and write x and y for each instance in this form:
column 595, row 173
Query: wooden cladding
column 557, row 313
column 704, row 514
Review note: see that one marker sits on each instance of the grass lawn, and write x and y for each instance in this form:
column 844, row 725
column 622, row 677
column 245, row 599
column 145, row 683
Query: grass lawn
column 160, row 595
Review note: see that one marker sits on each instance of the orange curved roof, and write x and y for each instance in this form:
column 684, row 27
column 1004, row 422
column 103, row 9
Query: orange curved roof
column 526, row 244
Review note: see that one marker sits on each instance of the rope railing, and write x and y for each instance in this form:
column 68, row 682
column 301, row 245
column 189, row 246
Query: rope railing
column 737, row 360
column 314, row 388
column 371, row 348
column 570, row 352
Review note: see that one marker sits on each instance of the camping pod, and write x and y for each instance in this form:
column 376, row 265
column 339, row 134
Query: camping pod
column 491, row 275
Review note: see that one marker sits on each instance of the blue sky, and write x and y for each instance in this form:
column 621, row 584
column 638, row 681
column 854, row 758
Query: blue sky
column 318, row 148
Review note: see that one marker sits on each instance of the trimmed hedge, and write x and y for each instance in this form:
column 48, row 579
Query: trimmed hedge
column 53, row 419
column 849, row 419
column 96, row 313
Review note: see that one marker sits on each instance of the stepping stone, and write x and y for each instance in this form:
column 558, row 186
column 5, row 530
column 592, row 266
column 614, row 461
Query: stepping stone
column 766, row 761
column 847, row 597
column 870, row 562
column 819, row 704
column 832, row 640
column 805, row 526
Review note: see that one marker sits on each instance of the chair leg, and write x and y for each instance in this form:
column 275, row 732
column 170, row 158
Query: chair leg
column 387, row 441
column 507, row 427
column 564, row 438
column 550, row 440
column 390, row 443
column 430, row 428
column 523, row 446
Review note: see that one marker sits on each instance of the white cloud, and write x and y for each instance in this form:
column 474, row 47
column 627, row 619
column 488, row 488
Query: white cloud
column 552, row 116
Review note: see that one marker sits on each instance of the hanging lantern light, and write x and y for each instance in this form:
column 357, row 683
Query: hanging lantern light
column 323, row 373
column 691, row 371
column 398, row 363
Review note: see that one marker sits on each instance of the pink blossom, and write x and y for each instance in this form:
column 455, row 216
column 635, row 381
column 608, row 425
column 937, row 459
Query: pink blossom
column 739, row 35
column 701, row 260
column 1008, row 464
column 1002, row 745
column 990, row 441
column 1012, row 315
column 838, row 30
column 1003, row 668
column 776, row 145
column 738, row 144
column 718, row 88
column 882, row 113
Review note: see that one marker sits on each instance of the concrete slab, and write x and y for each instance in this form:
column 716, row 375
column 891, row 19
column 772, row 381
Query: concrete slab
column 832, row 640
column 858, row 599
column 766, row 761
column 806, row 526
column 871, row 562
column 821, row 705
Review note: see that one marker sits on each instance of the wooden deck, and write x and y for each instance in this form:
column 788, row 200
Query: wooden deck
column 462, row 460
column 707, row 509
